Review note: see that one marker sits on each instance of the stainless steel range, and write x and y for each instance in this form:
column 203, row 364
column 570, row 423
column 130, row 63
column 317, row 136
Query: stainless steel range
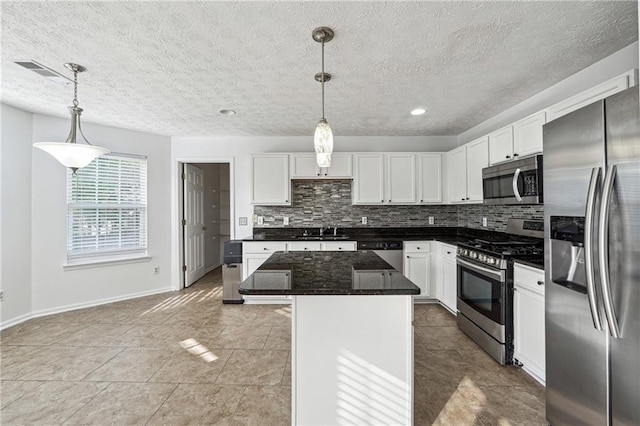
column 485, row 285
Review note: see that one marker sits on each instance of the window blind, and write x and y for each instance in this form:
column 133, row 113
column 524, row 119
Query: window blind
column 107, row 207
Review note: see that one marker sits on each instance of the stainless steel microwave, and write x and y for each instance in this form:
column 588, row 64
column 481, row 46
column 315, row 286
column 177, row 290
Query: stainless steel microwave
column 515, row 182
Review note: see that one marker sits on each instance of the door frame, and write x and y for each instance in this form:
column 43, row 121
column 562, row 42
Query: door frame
column 177, row 211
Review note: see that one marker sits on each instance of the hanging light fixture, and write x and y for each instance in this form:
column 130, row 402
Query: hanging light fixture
column 70, row 153
column 323, row 137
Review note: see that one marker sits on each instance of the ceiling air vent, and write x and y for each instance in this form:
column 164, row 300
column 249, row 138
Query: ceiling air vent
column 44, row 71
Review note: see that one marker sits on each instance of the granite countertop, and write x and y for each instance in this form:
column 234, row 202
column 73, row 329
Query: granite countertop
column 327, row 273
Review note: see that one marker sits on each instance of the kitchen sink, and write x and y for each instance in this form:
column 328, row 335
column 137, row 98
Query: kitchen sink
column 322, row 238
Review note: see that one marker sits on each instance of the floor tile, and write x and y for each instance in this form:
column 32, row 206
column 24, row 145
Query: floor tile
column 241, row 337
column 51, row 403
column 279, row 338
column 13, row 359
column 442, row 338
column 286, row 376
column 123, row 404
column 199, row 404
column 274, row 315
column 264, row 406
column 433, row 315
column 511, row 405
column 195, row 364
column 11, row 390
column 254, row 367
column 41, row 333
column 143, row 336
column 132, row 365
column 95, row 335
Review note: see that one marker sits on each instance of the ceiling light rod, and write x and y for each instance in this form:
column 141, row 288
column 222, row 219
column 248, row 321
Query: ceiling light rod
column 323, row 137
column 70, row 153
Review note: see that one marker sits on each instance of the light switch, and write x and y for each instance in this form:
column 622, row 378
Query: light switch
column 260, row 220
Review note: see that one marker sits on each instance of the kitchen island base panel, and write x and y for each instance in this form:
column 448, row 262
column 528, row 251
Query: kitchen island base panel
column 352, row 360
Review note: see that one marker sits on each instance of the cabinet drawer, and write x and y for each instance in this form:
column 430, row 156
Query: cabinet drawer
column 417, row 246
column 264, row 247
column 529, row 278
column 304, row 246
column 339, row 246
column 449, row 251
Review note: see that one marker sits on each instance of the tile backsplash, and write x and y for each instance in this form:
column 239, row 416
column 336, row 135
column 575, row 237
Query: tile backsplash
column 318, row 203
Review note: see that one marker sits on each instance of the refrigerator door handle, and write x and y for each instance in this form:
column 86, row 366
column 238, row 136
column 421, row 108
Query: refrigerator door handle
column 603, row 251
column 514, row 185
column 589, row 259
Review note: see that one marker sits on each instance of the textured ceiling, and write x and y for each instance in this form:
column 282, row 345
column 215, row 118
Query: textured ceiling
column 168, row 67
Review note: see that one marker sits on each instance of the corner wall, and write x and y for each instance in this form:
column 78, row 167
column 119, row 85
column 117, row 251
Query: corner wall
column 15, row 214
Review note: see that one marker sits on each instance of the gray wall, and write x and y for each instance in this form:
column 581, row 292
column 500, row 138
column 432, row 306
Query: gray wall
column 318, row 203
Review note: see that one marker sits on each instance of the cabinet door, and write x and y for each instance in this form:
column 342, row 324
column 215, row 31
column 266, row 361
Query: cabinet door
column 457, row 176
column 527, row 135
column 449, row 284
column 417, row 268
column 304, row 166
column 251, row 262
column 429, row 178
column 370, row 280
column 501, row 145
column 368, row 179
column 477, row 159
column 529, row 335
column 270, row 179
column 339, row 246
column 401, row 179
column 341, row 166
column 305, row 246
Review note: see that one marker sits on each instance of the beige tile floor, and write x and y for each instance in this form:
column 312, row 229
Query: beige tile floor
column 184, row 358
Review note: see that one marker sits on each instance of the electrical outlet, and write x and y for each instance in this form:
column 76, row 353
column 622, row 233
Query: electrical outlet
column 156, row 270
column 285, row 220
column 484, row 221
column 260, row 220
column 254, row 218
column 431, row 220
column 242, row 221
column 364, row 220
column 1, row 295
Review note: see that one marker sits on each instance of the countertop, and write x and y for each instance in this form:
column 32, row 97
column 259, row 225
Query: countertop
column 536, row 262
column 327, row 273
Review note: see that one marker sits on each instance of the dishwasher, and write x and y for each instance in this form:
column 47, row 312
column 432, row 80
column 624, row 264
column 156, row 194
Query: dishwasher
column 389, row 251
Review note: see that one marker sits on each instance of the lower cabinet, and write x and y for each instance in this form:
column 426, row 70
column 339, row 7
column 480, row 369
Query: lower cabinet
column 448, row 277
column 528, row 320
column 417, row 266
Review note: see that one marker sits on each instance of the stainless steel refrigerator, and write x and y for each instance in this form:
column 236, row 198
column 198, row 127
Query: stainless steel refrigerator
column 592, row 263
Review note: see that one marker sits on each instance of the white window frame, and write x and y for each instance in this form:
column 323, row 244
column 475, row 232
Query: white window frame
column 77, row 256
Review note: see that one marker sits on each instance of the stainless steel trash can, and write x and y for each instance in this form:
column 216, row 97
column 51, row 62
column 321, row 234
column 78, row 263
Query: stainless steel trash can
column 232, row 272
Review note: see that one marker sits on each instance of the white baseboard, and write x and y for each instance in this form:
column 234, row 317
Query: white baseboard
column 73, row 307
column 267, row 300
column 211, row 268
column 424, row 300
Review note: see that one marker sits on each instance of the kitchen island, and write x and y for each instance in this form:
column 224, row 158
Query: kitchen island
column 352, row 335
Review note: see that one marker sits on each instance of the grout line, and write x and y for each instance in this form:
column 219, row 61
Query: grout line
column 162, row 403
column 91, row 399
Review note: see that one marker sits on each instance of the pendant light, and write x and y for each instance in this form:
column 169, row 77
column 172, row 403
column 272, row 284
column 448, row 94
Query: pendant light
column 323, row 137
column 70, row 153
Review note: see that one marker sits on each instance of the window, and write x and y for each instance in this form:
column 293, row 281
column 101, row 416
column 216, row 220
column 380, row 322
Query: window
column 107, row 209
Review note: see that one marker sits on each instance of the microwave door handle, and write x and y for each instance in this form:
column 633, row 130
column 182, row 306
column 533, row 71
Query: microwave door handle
column 603, row 251
column 514, row 185
column 589, row 258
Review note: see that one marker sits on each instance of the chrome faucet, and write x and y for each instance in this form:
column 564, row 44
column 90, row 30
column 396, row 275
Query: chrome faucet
column 324, row 228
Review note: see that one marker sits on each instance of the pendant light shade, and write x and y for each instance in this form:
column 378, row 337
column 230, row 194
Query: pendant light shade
column 70, row 153
column 323, row 137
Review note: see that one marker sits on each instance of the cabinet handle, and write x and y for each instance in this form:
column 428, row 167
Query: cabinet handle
column 305, row 248
column 407, row 257
column 318, row 174
column 422, row 201
column 540, row 282
column 418, row 248
column 339, row 248
column 382, row 201
column 286, row 201
column 508, row 156
column 515, row 155
column 448, row 252
column 467, row 198
column 462, row 199
column 326, row 174
column 265, row 248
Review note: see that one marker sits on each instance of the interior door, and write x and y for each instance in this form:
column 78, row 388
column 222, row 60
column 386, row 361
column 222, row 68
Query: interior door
column 194, row 224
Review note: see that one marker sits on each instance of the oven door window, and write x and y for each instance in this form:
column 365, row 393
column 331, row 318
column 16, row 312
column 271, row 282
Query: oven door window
column 481, row 293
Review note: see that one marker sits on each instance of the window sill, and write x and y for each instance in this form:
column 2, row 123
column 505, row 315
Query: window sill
column 109, row 261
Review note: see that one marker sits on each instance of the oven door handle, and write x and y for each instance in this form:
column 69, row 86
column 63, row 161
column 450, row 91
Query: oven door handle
column 491, row 273
column 514, row 185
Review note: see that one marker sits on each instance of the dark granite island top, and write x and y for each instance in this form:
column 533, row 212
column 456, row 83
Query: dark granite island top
column 327, row 273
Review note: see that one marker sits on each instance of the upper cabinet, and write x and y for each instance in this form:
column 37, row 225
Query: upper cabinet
column 304, row 166
column 521, row 139
column 385, row 178
column 270, row 180
column 527, row 135
column 429, row 178
column 465, row 165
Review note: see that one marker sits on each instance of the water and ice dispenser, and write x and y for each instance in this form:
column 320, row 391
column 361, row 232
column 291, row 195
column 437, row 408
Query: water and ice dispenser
column 567, row 252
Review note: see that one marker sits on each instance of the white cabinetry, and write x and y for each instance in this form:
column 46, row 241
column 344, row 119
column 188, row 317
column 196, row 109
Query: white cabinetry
column 339, row 246
column 270, row 184
column 447, row 277
column 528, row 320
column 305, row 166
column 305, row 246
column 384, row 178
column 501, row 145
column 429, row 178
column 255, row 253
column 417, row 266
column 464, row 167
column 527, row 135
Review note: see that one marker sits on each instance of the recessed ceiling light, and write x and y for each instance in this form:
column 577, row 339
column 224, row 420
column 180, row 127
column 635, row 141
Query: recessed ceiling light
column 418, row 111
column 226, row 112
